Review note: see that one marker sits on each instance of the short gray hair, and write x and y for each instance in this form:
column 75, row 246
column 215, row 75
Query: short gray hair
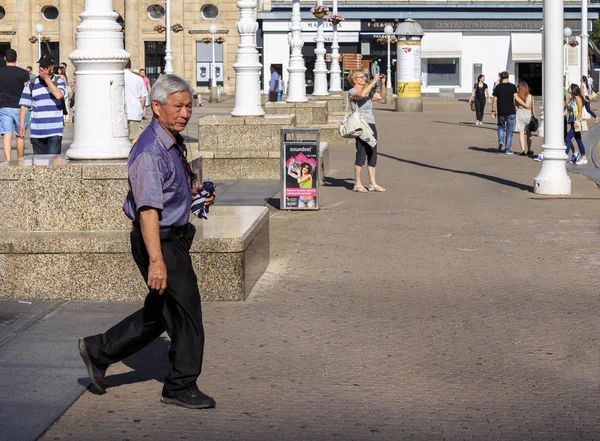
column 167, row 85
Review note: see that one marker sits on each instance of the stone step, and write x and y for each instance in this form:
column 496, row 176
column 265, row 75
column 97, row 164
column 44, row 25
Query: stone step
column 229, row 253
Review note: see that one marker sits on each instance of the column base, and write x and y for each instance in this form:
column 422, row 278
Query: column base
column 409, row 104
column 552, row 178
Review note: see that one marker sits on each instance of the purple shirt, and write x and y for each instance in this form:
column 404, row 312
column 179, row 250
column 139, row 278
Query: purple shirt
column 158, row 178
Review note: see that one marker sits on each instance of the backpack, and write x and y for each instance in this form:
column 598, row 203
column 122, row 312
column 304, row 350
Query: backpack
column 65, row 111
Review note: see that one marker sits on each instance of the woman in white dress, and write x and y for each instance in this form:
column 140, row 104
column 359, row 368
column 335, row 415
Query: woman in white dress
column 524, row 117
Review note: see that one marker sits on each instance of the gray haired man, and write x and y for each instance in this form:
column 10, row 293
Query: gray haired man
column 158, row 203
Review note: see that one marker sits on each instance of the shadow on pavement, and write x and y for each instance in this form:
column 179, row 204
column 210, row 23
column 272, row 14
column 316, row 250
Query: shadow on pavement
column 462, row 172
column 151, row 363
column 484, row 150
column 329, row 181
column 274, row 203
column 468, row 124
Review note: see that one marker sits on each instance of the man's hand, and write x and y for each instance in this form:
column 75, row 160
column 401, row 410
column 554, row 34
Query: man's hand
column 157, row 276
column 21, row 133
column 209, row 201
column 44, row 73
column 494, row 113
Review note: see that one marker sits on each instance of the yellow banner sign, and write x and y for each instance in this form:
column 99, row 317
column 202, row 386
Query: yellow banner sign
column 409, row 90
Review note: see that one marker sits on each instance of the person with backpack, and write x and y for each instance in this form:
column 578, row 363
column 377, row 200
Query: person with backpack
column 45, row 95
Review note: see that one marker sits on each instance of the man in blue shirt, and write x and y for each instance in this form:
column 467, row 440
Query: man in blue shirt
column 45, row 96
column 158, row 203
column 273, row 84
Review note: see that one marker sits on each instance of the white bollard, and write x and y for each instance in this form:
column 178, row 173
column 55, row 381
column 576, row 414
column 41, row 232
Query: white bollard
column 552, row 178
column 297, row 69
column 99, row 57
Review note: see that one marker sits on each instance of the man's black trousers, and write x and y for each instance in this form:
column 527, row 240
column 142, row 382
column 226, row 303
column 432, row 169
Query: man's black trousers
column 177, row 310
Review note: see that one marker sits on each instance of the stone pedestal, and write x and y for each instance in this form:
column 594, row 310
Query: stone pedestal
column 409, row 104
column 64, row 236
column 308, row 114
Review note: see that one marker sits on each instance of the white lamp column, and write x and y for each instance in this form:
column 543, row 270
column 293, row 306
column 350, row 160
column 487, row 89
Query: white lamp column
column 584, row 37
column 168, row 56
column 39, row 28
column 297, row 69
column 335, row 74
column 567, row 32
column 540, row 132
column 320, row 70
column 213, row 73
column 247, row 65
column 552, row 178
column 389, row 31
column 99, row 57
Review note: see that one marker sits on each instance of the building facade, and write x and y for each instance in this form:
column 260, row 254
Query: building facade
column 191, row 56
column 461, row 39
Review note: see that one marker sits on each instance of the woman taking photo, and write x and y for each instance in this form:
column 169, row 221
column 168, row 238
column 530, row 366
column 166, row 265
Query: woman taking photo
column 574, row 113
column 361, row 96
column 479, row 95
column 524, row 117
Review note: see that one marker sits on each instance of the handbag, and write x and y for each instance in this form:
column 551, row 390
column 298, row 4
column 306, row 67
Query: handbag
column 351, row 126
column 473, row 106
column 534, row 124
column 585, row 114
column 580, row 126
column 593, row 95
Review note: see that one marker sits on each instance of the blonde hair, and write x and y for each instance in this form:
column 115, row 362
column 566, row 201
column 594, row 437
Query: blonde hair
column 523, row 90
column 352, row 74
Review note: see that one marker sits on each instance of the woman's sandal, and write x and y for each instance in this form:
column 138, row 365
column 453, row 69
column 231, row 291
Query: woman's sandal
column 360, row 189
column 376, row 188
column 530, row 153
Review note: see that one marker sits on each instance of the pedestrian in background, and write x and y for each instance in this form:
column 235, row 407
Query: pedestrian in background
column 575, row 120
column 361, row 97
column 523, row 118
column 29, row 70
column 273, row 84
column 585, row 96
column 505, row 98
column 479, row 95
column 45, row 96
column 12, row 81
column 135, row 102
column 158, row 203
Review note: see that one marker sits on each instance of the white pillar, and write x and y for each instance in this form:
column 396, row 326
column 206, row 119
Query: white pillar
column 540, row 132
column 39, row 28
column 389, row 31
column 213, row 71
column 168, row 56
column 552, row 178
column 335, row 73
column 584, row 37
column 297, row 81
column 320, row 71
column 247, row 65
column 99, row 57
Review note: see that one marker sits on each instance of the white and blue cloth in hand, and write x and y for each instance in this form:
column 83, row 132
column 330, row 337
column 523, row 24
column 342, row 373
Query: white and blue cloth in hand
column 198, row 207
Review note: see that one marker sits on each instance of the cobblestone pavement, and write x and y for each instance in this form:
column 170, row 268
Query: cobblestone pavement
column 456, row 306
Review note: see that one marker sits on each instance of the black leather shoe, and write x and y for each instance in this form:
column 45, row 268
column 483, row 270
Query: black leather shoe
column 192, row 399
column 96, row 374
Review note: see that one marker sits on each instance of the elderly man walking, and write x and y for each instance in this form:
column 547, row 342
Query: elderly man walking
column 158, row 203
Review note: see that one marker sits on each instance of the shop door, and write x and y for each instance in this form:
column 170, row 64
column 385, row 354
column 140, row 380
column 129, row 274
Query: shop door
column 155, row 59
column 532, row 74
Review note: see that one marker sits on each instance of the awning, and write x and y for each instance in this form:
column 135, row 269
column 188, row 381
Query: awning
column 441, row 45
column 526, row 47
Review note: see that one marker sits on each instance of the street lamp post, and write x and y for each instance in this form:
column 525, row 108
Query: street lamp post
column 296, row 84
column 168, row 56
column 567, row 32
column 552, row 178
column 584, row 37
column 540, row 132
column 389, row 31
column 335, row 75
column 320, row 70
column 39, row 28
column 213, row 82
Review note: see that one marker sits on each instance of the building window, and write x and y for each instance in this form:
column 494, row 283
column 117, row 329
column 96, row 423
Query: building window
column 2, row 13
column 50, row 13
column 156, row 12
column 209, row 12
column 443, row 71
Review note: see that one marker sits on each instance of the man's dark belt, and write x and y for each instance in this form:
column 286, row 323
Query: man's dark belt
column 166, row 233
